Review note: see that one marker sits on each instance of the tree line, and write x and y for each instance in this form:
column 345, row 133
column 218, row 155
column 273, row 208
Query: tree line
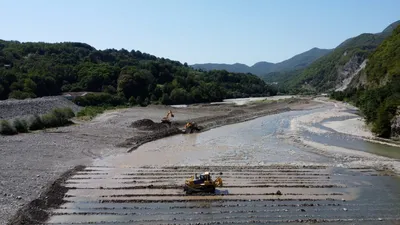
column 36, row 69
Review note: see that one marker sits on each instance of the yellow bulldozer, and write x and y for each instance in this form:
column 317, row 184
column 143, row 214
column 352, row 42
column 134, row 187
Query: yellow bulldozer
column 202, row 184
column 191, row 127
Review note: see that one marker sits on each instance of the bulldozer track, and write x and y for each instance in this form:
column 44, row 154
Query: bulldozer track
column 255, row 195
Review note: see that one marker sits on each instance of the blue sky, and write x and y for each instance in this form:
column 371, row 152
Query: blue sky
column 219, row 31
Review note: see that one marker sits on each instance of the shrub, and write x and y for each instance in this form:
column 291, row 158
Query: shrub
column 63, row 115
column 91, row 111
column 21, row 95
column 99, row 99
column 50, row 120
column 36, row 123
column 6, row 128
column 58, row 117
column 132, row 101
column 21, row 126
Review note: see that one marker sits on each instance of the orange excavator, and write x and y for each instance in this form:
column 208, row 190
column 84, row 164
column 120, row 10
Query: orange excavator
column 190, row 127
column 166, row 118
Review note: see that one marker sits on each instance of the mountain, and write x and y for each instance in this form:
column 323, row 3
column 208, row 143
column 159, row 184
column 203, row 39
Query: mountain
column 299, row 61
column 377, row 90
column 35, row 69
column 234, row 68
column 336, row 70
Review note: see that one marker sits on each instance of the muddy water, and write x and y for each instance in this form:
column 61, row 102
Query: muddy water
column 256, row 142
column 100, row 195
column 250, row 143
column 122, row 190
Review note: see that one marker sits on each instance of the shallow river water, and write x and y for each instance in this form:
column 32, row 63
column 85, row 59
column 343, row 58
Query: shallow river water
column 145, row 186
column 255, row 142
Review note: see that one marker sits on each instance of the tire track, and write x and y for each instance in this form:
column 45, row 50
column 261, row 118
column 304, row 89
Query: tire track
column 256, row 195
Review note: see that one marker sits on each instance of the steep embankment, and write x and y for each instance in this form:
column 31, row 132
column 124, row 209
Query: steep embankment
column 335, row 70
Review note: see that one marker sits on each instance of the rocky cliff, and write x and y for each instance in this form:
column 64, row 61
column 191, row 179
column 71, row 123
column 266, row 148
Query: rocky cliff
column 395, row 125
column 350, row 70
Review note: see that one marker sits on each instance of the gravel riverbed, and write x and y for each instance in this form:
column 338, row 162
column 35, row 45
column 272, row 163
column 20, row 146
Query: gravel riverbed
column 31, row 162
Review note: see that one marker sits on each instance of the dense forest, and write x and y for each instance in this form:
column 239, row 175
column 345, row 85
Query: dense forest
column 379, row 98
column 29, row 70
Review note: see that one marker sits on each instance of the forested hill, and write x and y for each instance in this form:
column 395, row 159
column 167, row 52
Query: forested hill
column 336, row 69
column 43, row 69
column 379, row 97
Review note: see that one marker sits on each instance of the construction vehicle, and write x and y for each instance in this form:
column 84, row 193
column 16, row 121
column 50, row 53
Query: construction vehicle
column 202, row 184
column 190, row 127
column 166, row 118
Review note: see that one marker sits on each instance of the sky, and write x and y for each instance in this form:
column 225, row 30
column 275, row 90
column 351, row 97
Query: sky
column 203, row 31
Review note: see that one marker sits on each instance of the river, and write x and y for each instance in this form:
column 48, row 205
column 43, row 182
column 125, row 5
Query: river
column 287, row 168
column 262, row 141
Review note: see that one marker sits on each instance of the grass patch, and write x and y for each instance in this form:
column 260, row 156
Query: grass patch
column 90, row 112
column 6, row 128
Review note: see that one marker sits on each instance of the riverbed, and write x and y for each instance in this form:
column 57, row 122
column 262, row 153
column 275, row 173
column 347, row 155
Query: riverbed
column 275, row 139
column 288, row 168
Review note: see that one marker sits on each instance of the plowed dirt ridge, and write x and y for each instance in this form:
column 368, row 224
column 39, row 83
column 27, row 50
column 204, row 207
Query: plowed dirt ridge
column 323, row 195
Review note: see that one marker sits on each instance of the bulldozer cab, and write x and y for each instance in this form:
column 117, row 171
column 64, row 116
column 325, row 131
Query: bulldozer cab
column 205, row 176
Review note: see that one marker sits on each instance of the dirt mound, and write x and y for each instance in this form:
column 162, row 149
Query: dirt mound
column 147, row 124
column 237, row 112
column 142, row 123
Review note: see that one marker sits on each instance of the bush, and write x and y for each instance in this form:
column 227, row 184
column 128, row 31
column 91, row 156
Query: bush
column 132, row 101
column 63, row 114
column 58, row 117
column 50, row 120
column 21, row 95
column 99, row 99
column 385, row 113
column 91, row 111
column 36, row 123
column 6, row 128
column 21, row 126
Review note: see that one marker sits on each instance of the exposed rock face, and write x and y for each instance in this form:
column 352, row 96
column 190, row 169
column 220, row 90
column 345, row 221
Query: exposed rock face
column 349, row 71
column 396, row 124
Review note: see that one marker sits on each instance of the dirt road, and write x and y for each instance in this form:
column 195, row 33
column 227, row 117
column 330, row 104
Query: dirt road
column 31, row 162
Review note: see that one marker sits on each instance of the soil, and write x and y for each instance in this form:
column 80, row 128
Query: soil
column 31, row 160
column 36, row 211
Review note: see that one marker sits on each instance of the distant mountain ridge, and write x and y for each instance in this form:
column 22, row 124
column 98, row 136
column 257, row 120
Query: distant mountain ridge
column 299, row 61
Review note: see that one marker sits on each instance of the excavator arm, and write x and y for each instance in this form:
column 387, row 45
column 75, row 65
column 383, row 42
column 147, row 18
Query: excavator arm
column 166, row 118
